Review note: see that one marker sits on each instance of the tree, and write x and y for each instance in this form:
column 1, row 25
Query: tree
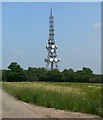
column 87, row 71
column 14, row 67
column 68, row 75
column 0, row 75
column 54, row 76
column 32, row 74
column 84, row 75
column 16, row 73
column 41, row 73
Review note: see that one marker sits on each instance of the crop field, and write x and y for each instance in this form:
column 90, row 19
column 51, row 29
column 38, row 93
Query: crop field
column 77, row 97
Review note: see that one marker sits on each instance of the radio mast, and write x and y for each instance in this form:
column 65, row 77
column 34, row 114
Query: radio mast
column 52, row 56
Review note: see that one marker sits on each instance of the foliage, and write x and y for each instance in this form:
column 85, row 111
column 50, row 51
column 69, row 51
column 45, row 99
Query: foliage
column 16, row 73
column 0, row 75
column 68, row 75
column 53, row 75
column 81, row 97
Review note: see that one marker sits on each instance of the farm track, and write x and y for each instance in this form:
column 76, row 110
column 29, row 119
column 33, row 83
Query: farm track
column 13, row 108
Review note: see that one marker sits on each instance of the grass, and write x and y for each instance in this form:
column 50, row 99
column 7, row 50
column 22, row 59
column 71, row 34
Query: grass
column 68, row 96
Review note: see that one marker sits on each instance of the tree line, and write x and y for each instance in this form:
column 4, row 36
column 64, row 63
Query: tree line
column 15, row 73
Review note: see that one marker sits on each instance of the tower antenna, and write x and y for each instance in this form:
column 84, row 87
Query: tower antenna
column 51, row 12
column 52, row 56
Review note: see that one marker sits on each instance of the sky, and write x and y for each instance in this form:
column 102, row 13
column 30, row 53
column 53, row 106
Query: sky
column 25, row 28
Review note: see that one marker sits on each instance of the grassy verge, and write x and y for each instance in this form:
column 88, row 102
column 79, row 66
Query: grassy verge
column 68, row 96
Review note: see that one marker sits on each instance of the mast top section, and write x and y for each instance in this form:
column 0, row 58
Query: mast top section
column 51, row 12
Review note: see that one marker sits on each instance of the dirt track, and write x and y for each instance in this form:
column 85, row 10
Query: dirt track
column 12, row 108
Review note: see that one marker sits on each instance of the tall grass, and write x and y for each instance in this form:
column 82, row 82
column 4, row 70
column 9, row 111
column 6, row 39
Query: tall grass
column 67, row 96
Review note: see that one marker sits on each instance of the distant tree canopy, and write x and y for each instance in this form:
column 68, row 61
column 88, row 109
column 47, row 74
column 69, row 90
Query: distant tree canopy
column 0, row 75
column 16, row 73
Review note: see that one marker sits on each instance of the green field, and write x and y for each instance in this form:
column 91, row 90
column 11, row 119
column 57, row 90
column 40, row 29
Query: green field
column 79, row 97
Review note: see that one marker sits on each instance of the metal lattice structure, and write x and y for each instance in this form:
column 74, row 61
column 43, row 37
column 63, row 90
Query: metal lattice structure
column 52, row 56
